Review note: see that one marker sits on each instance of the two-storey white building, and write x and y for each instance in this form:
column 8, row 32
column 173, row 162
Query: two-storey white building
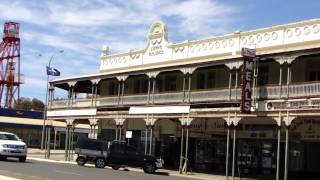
column 191, row 91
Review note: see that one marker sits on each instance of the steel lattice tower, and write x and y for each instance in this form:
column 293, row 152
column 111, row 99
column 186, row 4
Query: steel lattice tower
column 10, row 77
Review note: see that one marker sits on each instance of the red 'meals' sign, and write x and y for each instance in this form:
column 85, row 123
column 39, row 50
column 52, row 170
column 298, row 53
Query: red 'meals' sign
column 247, row 77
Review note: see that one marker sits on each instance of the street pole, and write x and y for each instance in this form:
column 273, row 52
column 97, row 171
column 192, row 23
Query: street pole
column 45, row 110
column 227, row 153
column 46, row 105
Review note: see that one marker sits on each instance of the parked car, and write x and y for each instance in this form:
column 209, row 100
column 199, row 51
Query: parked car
column 114, row 154
column 12, row 146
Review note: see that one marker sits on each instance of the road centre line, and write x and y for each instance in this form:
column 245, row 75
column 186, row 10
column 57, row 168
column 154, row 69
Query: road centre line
column 66, row 172
column 8, row 178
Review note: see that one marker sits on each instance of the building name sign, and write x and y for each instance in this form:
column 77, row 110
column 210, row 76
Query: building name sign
column 247, row 75
column 293, row 105
column 156, row 50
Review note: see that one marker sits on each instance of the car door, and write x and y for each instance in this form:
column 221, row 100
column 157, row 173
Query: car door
column 134, row 157
column 117, row 154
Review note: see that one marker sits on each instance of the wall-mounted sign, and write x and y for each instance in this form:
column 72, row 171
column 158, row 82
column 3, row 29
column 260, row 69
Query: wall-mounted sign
column 246, row 83
column 128, row 134
column 293, row 104
column 72, row 112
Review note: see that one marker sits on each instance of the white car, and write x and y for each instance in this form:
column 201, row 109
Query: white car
column 12, row 146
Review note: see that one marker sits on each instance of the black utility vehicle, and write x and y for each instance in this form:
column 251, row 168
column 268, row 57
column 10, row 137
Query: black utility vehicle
column 114, row 154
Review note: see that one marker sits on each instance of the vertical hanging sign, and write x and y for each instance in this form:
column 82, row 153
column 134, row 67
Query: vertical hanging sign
column 247, row 77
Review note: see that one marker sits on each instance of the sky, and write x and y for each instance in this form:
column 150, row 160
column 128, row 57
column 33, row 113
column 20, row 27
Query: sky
column 81, row 27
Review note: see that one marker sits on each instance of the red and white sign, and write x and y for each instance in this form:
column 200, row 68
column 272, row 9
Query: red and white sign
column 292, row 104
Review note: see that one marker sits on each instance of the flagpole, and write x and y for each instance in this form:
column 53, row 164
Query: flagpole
column 46, row 105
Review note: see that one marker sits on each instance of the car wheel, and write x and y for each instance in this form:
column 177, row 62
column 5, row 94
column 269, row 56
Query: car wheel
column 81, row 161
column 22, row 159
column 115, row 167
column 3, row 158
column 149, row 168
column 100, row 163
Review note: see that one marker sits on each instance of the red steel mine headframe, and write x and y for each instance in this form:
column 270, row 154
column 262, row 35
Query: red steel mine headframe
column 10, row 77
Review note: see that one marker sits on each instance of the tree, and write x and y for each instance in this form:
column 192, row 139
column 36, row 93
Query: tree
column 27, row 104
column 37, row 104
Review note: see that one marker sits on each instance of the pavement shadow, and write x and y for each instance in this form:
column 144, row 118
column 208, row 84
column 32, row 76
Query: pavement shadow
column 161, row 173
column 15, row 161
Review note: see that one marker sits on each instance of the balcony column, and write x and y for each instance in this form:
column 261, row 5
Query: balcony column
column 185, row 122
column 230, row 83
column 152, row 81
column 69, row 123
column 121, row 84
column 281, row 60
column 235, row 122
column 188, row 74
column 94, row 91
column 71, row 142
column 228, row 122
column 288, row 79
column 236, row 84
column 146, row 140
column 150, row 124
column 71, row 92
column 280, row 81
column 122, row 91
column 184, row 87
column 119, row 124
column 278, row 120
column 189, row 87
column 233, row 65
column 93, row 124
column 149, row 88
column 181, row 149
column 153, row 88
column 287, row 121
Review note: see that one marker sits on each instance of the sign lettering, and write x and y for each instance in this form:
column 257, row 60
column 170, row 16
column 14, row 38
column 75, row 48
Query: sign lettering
column 156, row 50
column 246, row 85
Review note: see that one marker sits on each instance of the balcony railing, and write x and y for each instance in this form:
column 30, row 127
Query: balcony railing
column 214, row 95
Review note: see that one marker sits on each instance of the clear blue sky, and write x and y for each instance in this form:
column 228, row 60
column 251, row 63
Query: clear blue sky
column 82, row 27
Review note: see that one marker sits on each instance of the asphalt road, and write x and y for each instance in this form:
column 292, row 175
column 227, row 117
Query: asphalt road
column 36, row 170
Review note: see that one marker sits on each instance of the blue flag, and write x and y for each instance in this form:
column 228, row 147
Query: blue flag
column 52, row 71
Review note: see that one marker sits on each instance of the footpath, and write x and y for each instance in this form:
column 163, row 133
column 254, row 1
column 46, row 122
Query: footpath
column 57, row 156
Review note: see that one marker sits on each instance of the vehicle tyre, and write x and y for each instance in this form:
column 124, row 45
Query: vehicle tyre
column 22, row 159
column 149, row 168
column 3, row 158
column 81, row 161
column 100, row 163
column 115, row 167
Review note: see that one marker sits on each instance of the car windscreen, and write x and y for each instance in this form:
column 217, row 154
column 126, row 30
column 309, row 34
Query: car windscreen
column 9, row 137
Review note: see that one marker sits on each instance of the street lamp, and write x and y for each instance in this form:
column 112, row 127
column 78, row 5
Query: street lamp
column 46, row 102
